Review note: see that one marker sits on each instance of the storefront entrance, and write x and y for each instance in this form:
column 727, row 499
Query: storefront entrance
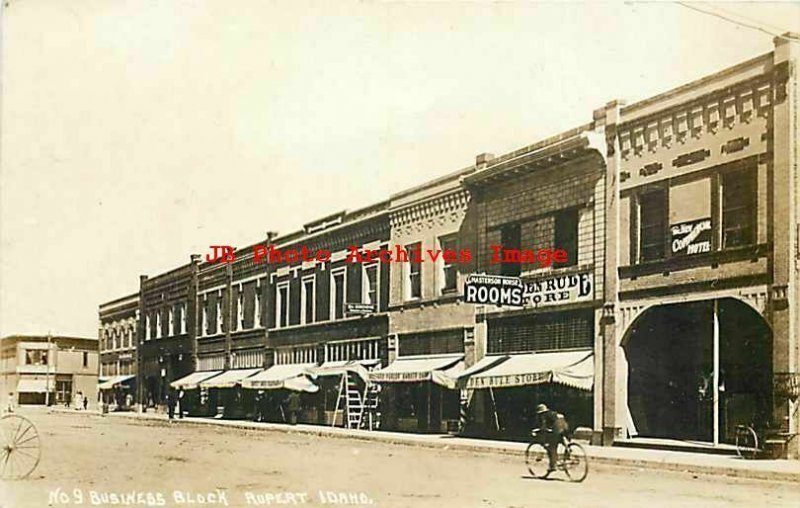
column 696, row 370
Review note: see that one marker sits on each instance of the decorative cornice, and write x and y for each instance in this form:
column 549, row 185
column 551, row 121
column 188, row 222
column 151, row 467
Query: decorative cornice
column 451, row 206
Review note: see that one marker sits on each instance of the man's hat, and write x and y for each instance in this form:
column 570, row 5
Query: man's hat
column 541, row 408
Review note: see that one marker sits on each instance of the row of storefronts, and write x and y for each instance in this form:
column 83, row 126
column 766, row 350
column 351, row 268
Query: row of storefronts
column 672, row 313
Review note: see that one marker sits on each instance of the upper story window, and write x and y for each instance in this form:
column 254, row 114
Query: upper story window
column 449, row 271
column 147, row 327
column 511, row 238
column 183, row 318
column 414, row 282
column 652, row 224
column 239, row 325
column 307, row 304
column 370, row 290
column 738, row 207
column 258, row 306
column 566, row 234
column 85, row 359
column 338, row 281
column 158, row 325
column 282, row 305
column 220, row 325
column 171, row 321
column 205, row 321
column 35, row 357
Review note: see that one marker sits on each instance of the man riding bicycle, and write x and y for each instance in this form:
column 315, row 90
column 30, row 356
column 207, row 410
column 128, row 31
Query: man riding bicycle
column 552, row 430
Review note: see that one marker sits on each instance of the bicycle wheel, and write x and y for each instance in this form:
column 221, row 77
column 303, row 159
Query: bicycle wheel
column 20, row 449
column 536, row 460
column 746, row 442
column 576, row 464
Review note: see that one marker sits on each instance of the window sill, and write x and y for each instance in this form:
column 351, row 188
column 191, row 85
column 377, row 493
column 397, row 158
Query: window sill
column 712, row 259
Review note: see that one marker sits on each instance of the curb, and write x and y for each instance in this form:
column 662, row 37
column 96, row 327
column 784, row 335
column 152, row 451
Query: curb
column 443, row 444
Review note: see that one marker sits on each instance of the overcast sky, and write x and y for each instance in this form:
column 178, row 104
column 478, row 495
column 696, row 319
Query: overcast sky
column 137, row 132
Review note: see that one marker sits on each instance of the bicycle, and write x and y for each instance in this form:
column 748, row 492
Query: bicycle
column 747, row 442
column 571, row 458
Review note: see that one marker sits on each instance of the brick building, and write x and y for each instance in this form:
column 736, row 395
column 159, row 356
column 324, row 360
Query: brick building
column 674, row 315
column 117, row 344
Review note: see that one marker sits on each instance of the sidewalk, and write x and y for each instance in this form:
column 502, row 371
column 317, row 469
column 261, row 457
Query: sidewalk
column 697, row 463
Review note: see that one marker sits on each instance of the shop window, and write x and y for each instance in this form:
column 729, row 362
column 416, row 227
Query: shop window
column 432, row 343
column 371, row 284
column 541, row 332
column 282, row 305
column 414, row 272
column 566, row 235
column 337, row 294
column 448, row 268
column 738, row 208
column 307, row 315
column 652, row 224
column 511, row 238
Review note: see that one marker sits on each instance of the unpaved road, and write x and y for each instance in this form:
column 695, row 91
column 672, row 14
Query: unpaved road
column 89, row 457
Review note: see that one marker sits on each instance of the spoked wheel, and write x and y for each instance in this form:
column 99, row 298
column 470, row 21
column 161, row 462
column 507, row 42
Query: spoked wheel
column 20, row 447
column 575, row 463
column 536, row 460
column 746, row 442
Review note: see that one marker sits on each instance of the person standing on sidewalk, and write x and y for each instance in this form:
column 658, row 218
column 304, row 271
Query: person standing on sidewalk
column 170, row 404
column 181, row 396
column 293, row 405
column 85, row 403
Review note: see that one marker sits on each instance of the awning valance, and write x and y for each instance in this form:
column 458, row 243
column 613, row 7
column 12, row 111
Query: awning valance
column 570, row 368
column 293, row 376
column 229, row 378
column 193, row 380
column 114, row 381
column 360, row 367
column 441, row 369
column 34, row 386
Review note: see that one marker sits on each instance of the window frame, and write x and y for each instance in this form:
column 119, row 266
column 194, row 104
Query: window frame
column 304, row 299
column 408, row 274
column 282, row 301
column 342, row 270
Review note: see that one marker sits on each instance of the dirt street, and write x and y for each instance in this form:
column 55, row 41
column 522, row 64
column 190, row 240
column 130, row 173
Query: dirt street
column 91, row 460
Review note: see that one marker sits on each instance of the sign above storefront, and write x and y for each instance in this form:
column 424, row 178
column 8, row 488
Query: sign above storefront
column 514, row 292
column 691, row 237
column 361, row 308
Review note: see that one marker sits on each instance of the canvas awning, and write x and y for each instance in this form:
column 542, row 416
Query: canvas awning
column 360, row 367
column 193, row 380
column 293, row 376
column 114, row 381
column 440, row 369
column 570, row 368
column 34, row 386
column 229, row 378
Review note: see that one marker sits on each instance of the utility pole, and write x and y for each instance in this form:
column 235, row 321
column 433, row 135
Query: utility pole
column 47, row 372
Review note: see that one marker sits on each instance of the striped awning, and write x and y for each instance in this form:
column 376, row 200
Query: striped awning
column 193, row 380
column 569, row 368
column 114, row 381
column 440, row 369
column 229, row 378
column 292, row 376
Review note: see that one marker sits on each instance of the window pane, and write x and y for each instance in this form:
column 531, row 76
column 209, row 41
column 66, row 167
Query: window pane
column 510, row 238
column 338, row 281
column 414, row 272
column 567, row 235
column 308, row 288
column 738, row 208
column 372, row 284
column 652, row 229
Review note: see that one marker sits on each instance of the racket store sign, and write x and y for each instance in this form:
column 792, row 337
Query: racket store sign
column 513, row 291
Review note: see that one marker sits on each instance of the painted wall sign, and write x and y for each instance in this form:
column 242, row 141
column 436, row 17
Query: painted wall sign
column 513, row 291
column 691, row 237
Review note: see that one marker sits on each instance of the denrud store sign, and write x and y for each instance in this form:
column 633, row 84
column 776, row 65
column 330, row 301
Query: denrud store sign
column 513, row 291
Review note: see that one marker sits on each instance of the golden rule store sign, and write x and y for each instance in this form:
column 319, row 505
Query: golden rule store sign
column 514, row 292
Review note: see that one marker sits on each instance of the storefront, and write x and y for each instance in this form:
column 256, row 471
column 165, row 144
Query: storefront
column 696, row 370
column 506, row 388
column 226, row 396
column 118, row 392
column 33, row 390
column 195, row 401
column 285, row 390
column 348, row 398
column 419, row 393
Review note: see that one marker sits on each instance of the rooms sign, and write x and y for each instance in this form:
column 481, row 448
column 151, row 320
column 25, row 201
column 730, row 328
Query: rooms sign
column 514, row 292
column 692, row 237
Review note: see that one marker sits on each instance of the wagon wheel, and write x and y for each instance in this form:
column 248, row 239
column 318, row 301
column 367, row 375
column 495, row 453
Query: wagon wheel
column 20, row 447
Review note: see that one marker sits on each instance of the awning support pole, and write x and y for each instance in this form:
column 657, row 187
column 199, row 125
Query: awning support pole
column 494, row 408
column 716, row 373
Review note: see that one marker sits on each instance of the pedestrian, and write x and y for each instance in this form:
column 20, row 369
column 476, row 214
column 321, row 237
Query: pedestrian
column 181, row 396
column 85, row 402
column 293, row 405
column 10, row 406
column 170, row 404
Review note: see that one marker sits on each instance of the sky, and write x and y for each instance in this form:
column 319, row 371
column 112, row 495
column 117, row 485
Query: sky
column 134, row 133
